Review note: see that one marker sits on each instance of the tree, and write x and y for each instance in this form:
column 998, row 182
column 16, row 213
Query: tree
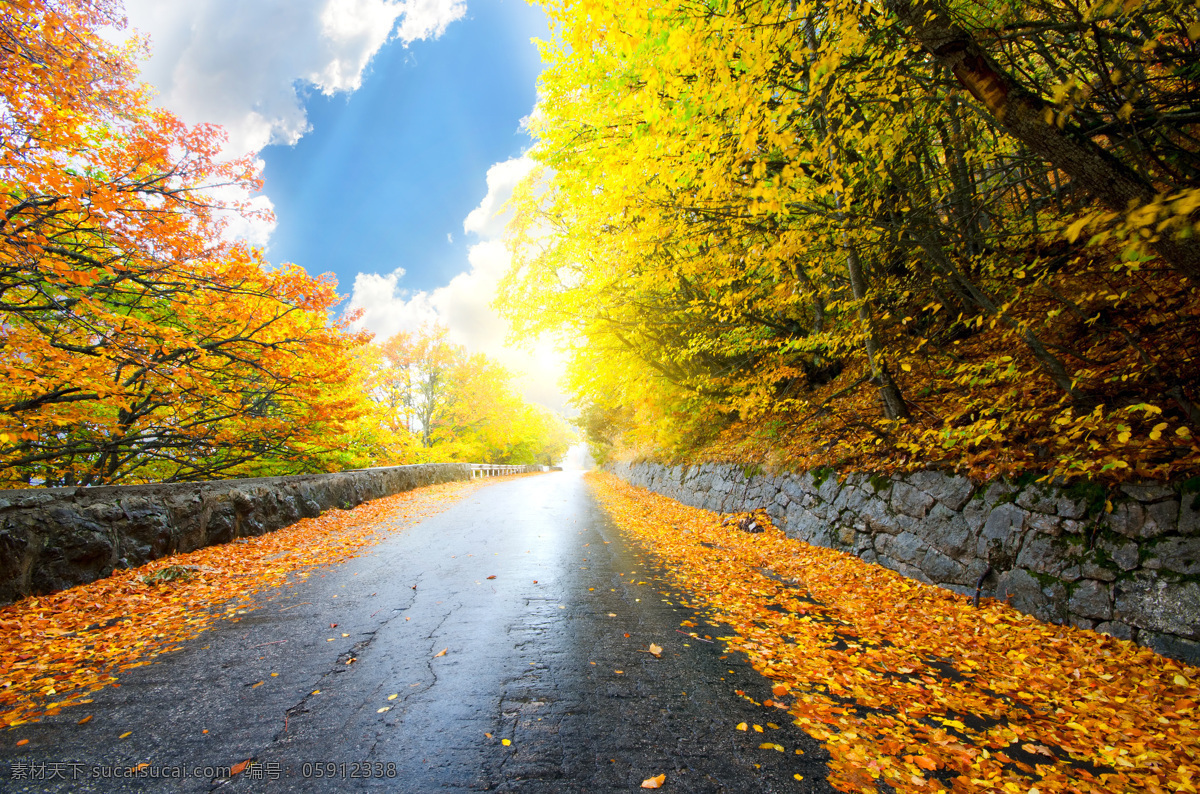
column 807, row 216
column 138, row 342
column 460, row 406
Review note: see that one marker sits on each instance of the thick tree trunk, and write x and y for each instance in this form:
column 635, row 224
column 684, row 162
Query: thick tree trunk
column 894, row 406
column 1023, row 115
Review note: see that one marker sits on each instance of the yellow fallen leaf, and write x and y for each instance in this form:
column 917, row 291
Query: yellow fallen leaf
column 506, row 742
column 619, row 672
column 758, row 728
column 654, row 782
column 1180, row 680
column 393, row 697
column 442, row 652
column 771, row 746
column 656, row 650
column 741, row 726
column 385, row 708
column 798, row 776
column 125, row 735
column 274, row 674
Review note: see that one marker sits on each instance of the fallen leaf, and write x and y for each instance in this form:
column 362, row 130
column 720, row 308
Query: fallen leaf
column 21, row 742
column 85, row 719
column 125, row 735
column 654, row 782
column 619, row 672
column 506, row 742
column 771, row 746
column 493, row 576
column 1029, row 747
column 256, row 686
column 656, row 651
column 385, row 708
column 442, row 652
column 612, row 614
column 237, row 768
column 779, row 690
column 393, row 697
column 741, row 726
column 488, row 735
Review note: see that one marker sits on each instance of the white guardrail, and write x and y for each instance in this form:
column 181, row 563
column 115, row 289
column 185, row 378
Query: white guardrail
column 501, row 469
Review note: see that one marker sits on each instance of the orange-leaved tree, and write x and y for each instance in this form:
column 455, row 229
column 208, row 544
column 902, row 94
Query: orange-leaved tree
column 138, row 342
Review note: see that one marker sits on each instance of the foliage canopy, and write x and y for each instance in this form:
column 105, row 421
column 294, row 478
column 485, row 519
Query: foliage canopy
column 886, row 235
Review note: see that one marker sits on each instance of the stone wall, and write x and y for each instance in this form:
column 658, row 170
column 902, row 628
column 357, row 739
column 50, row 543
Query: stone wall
column 53, row 538
column 1058, row 554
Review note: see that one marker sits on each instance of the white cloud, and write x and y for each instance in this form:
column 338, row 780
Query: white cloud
column 464, row 305
column 486, row 219
column 244, row 65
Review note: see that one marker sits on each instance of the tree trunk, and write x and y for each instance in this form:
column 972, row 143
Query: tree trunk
column 1023, row 115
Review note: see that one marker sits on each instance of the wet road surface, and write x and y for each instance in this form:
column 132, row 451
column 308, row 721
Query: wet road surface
column 531, row 656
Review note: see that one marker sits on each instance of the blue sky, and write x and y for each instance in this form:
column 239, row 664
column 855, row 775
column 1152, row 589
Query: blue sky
column 389, row 133
column 388, row 171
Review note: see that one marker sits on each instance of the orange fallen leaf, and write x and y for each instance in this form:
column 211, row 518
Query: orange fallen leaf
column 21, row 742
column 493, row 576
column 654, row 782
column 84, row 638
column 442, row 652
column 239, row 767
column 656, row 651
column 779, row 690
column 85, row 719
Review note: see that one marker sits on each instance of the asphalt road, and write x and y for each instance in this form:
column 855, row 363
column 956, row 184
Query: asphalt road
column 531, row 656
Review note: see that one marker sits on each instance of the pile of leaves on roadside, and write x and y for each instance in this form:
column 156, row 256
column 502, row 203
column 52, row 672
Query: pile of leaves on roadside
column 908, row 685
column 56, row 650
